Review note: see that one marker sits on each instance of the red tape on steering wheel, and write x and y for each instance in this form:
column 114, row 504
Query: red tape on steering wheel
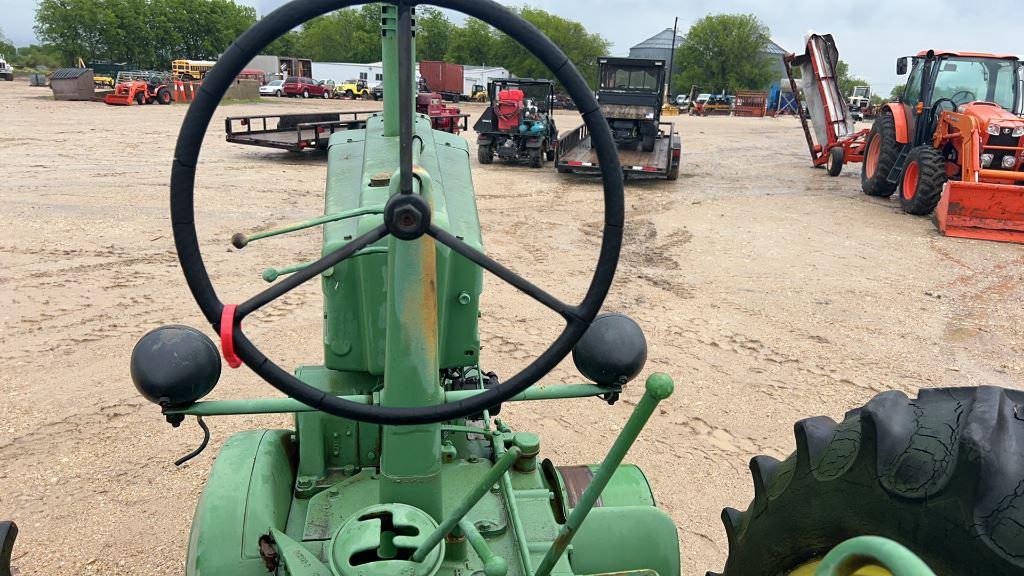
column 227, row 335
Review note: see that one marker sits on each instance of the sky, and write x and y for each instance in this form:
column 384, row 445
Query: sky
column 869, row 35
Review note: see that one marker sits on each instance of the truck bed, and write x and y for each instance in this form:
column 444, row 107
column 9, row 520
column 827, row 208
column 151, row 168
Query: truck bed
column 293, row 132
column 575, row 153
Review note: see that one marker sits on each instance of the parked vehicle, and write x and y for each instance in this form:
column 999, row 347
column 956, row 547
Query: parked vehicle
column 140, row 92
column 191, row 69
column 295, row 86
column 631, row 92
column 6, row 72
column 518, row 125
column 273, row 88
column 352, row 89
column 377, row 92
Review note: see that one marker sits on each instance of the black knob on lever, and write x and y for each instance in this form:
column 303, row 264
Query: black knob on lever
column 173, row 366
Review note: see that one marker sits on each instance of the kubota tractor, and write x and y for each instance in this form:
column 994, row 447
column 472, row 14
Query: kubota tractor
column 954, row 143
column 396, row 464
column 140, row 92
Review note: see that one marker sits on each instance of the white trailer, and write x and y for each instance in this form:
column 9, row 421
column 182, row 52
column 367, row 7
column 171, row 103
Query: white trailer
column 480, row 76
column 372, row 73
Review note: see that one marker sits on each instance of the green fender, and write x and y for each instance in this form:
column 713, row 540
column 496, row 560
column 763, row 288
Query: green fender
column 249, row 491
column 626, row 538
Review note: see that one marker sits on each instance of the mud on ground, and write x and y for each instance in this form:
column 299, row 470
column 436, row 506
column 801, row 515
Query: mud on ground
column 770, row 291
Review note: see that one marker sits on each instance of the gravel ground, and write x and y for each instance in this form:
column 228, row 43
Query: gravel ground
column 770, row 291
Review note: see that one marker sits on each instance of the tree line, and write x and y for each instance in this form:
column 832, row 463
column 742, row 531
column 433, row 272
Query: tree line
column 149, row 34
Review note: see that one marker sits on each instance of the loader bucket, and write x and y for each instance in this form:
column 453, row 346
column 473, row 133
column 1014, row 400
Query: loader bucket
column 118, row 99
column 982, row 210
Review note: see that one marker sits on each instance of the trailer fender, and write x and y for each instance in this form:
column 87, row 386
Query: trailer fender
column 896, row 109
column 249, row 491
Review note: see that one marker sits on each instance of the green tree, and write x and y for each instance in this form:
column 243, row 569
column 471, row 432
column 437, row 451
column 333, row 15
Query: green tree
column 473, row 43
column 847, row 82
column 725, row 52
column 350, row 35
column 582, row 47
column 6, row 46
column 287, row 45
column 144, row 33
column 896, row 93
column 434, row 35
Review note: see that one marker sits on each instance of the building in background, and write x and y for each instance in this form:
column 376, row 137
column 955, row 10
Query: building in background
column 280, row 66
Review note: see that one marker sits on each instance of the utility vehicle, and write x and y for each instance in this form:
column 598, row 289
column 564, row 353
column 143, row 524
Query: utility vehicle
column 396, row 464
column 518, row 125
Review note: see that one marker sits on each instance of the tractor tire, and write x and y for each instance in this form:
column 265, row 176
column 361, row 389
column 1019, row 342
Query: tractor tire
column 163, row 96
column 647, row 142
column 879, row 158
column 923, row 179
column 484, row 154
column 140, row 98
column 536, row 158
column 836, row 159
column 939, row 474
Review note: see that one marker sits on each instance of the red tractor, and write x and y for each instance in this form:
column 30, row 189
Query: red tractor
column 140, row 92
column 442, row 117
column 954, row 143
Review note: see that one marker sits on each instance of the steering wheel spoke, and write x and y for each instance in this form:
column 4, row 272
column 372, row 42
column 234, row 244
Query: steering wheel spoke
column 315, row 269
column 567, row 311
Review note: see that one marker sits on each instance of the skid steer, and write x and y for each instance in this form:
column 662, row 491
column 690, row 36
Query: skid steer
column 954, row 144
column 397, row 465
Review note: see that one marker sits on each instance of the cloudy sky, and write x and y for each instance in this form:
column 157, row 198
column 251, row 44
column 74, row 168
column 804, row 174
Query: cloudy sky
column 870, row 35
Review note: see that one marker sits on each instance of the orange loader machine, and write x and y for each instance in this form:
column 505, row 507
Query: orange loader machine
column 953, row 145
column 140, row 92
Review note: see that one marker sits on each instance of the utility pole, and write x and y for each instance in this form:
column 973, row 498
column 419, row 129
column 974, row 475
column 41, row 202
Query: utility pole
column 671, row 58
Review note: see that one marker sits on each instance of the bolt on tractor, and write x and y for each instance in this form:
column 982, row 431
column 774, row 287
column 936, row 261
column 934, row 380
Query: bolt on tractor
column 954, row 143
column 519, row 123
column 140, row 92
column 397, row 463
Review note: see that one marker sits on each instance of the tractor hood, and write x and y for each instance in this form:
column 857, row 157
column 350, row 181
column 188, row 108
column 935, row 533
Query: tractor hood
column 987, row 113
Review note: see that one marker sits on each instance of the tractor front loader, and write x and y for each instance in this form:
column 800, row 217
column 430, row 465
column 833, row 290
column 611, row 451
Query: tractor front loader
column 954, row 143
column 397, row 465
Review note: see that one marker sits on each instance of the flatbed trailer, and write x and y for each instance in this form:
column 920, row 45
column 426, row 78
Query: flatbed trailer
column 575, row 153
column 298, row 132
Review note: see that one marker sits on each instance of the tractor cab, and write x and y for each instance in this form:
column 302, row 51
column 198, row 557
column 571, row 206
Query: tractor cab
column 956, row 81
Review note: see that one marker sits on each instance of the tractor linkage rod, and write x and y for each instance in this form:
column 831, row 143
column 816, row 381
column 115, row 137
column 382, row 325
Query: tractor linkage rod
column 284, row 405
column 659, row 387
column 482, row 486
column 240, row 240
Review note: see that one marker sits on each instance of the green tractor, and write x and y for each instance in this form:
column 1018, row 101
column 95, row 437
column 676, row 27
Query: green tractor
column 397, row 464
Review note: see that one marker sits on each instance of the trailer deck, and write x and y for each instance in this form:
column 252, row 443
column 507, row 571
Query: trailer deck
column 575, row 153
column 293, row 132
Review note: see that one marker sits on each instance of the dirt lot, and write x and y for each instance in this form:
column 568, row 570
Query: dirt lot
column 768, row 290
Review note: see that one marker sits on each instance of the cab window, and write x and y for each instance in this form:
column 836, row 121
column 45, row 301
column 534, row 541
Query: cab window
column 972, row 79
column 912, row 93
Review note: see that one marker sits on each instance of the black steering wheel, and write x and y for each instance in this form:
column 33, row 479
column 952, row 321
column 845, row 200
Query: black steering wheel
column 226, row 320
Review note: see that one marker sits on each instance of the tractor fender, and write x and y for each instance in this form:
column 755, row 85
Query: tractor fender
column 249, row 491
column 896, row 109
column 624, row 539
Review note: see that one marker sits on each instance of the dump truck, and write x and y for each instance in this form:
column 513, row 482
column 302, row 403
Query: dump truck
column 630, row 92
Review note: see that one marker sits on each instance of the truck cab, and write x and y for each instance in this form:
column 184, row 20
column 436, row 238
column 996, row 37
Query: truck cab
column 631, row 91
column 6, row 72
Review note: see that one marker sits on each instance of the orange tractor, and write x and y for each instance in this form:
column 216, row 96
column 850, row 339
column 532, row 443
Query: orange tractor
column 140, row 92
column 953, row 144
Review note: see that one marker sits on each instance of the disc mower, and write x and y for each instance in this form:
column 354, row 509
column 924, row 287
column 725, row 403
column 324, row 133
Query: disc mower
column 954, row 143
column 140, row 92
column 397, row 464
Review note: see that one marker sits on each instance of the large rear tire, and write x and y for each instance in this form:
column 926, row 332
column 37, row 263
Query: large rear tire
column 880, row 157
column 923, row 179
column 163, row 96
column 939, row 474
